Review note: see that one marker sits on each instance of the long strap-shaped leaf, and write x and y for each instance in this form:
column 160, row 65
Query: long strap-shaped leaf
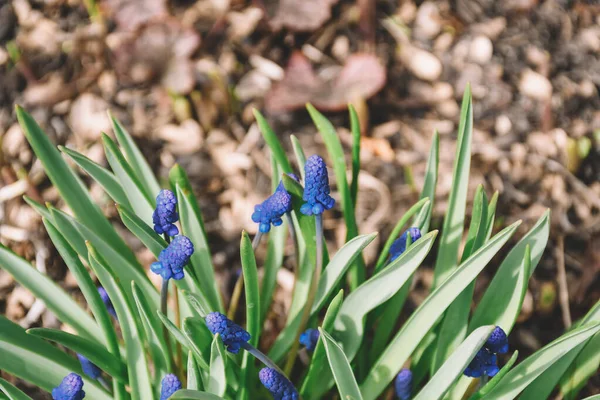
column 137, row 365
column 194, row 395
column 11, row 391
column 455, row 365
column 526, row 372
column 452, row 230
column 38, row 362
column 56, row 299
column 341, row 369
column 415, row 329
column 217, row 379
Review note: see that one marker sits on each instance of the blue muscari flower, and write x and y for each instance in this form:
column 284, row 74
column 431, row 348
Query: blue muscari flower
column 316, row 187
column 106, row 300
column 233, row 335
column 280, row 387
column 169, row 385
column 399, row 245
column 165, row 214
column 172, row 259
column 403, row 384
column 273, row 208
column 89, row 367
column 71, row 388
column 497, row 342
column 309, row 339
column 484, row 363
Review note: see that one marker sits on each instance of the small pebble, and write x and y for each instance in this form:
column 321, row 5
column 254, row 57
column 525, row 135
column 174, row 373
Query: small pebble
column 535, row 85
column 421, row 63
column 481, row 50
column 503, row 125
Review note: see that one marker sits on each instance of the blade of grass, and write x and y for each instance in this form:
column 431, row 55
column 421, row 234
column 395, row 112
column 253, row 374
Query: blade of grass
column 217, row 380
column 300, row 156
column 355, row 129
column 12, row 392
column 340, row 367
column 430, row 183
column 273, row 142
column 194, row 379
column 194, row 395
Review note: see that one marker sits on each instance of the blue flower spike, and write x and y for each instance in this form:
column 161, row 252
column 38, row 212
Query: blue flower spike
column 106, row 300
column 89, row 368
column 403, row 384
column 497, row 342
column 71, row 388
column 234, row 336
column 165, row 215
column 309, row 339
column 172, row 259
column 316, row 187
column 399, row 245
column 169, row 385
column 273, row 209
column 280, row 387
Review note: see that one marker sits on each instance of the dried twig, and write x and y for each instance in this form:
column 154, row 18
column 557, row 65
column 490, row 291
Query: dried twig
column 563, row 290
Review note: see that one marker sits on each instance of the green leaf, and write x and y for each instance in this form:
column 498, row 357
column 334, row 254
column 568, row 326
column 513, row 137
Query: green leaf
column 492, row 383
column 491, row 215
column 452, row 230
column 37, row 207
column 193, row 395
column 423, row 319
column 250, row 275
column 72, row 190
column 453, row 328
column 156, row 341
column 336, row 153
column 455, row 365
column 217, row 381
column 341, row 369
column 594, row 397
column 154, row 242
column 136, row 159
column 527, row 371
column 96, row 353
column 300, row 156
column 329, row 281
column 355, row 128
column 38, row 362
column 428, row 191
column 56, row 299
column 141, row 203
column 104, row 177
column 501, row 304
column 11, row 391
column 199, row 339
column 273, row 142
column 421, row 204
column 349, row 324
column 194, row 379
column 316, row 380
column 137, row 365
column 573, row 367
column 179, row 336
column 201, row 259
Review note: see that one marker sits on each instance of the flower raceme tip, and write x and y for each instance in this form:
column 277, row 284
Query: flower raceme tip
column 169, row 385
column 172, row 259
column 233, row 335
column 309, row 339
column 89, row 368
column 71, row 388
column 280, row 387
column 403, row 384
column 485, row 361
column 165, row 215
column 497, row 342
column 273, row 208
column 399, row 245
column 316, row 187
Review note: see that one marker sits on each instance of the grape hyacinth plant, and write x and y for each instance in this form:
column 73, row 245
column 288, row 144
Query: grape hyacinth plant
column 348, row 332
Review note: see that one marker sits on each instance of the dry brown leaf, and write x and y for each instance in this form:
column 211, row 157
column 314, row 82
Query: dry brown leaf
column 161, row 51
column 298, row 15
column 130, row 14
column 361, row 77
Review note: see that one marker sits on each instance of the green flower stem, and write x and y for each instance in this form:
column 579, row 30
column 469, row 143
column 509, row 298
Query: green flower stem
column 259, row 355
column 239, row 284
column 312, row 292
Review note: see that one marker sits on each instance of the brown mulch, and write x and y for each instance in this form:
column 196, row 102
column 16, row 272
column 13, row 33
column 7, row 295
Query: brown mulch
column 183, row 76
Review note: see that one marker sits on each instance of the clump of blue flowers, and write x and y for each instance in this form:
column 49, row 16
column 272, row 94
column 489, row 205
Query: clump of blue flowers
column 485, row 362
column 399, row 245
column 169, row 385
column 280, row 387
column 71, row 388
column 272, row 209
column 309, row 339
column 172, row 259
column 316, row 187
column 233, row 335
column 165, row 215
column 403, row 384
column 89, row 368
